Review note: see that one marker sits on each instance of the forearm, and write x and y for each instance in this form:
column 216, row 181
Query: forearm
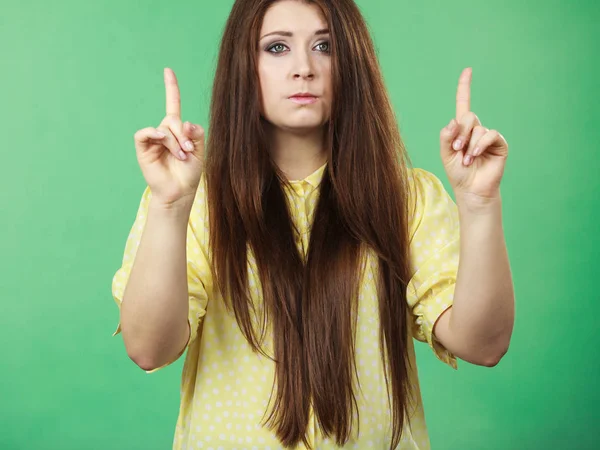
column 483, row 309
column 155, row 305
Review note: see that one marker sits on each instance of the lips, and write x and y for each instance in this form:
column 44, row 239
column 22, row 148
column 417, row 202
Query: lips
column 303, row 94
column 304, row 98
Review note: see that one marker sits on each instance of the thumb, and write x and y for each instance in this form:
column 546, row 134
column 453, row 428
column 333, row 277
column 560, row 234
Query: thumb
column 447, row 136
column 196, row 134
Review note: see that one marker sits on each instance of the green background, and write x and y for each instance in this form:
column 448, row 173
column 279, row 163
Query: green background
column 78, row 79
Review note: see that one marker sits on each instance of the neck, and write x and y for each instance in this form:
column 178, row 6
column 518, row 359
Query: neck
column 297, row 154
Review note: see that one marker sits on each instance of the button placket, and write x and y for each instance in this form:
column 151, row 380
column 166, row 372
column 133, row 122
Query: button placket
column 303, row 219
column 295, row 199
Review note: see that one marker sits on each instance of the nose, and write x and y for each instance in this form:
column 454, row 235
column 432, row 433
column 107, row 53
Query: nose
column 304, row 73
column 303, row 66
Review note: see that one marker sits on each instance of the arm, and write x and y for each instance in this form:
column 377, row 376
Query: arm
column 478, row 327
column 155, row 305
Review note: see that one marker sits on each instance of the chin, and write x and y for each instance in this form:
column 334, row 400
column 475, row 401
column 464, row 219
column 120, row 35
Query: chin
column 297, row 123
column 302, row 123
column 301, row 128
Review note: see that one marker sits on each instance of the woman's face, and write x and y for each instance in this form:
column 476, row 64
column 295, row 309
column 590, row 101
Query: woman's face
column 294, row 58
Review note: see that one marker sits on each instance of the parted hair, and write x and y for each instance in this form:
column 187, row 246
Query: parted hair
column 310, row 304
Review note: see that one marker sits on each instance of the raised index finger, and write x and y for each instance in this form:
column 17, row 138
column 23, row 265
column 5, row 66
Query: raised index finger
column 463, row 94
column 173, row 97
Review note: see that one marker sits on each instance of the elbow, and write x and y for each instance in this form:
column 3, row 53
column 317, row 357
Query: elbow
column 148, row 359
column 494, row 359
column 138, row 350
column 149, row 354
column 490, row 362
column 141, row 355
column 146, row 367
column 495, row 352
column 143, row 361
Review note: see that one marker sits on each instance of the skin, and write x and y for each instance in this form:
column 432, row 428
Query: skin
column 288, row 65
column 478, row 327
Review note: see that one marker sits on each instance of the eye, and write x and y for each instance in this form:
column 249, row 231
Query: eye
column 278, row 47
column 274, row 46
column 326, row 45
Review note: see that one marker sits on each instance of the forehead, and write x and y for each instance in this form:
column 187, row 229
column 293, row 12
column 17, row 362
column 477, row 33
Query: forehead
column 294, row 16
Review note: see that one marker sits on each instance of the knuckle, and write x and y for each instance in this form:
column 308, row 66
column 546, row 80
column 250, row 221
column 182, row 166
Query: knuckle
column 174, row 118
column 469, row 118
column 172, row 121
column 178, row 134
column 139, row 134
column 174, row 149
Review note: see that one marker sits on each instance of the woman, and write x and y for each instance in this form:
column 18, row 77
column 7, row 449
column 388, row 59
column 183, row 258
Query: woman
column 303, row 253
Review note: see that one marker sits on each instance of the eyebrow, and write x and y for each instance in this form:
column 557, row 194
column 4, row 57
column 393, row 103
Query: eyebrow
column 290, row 34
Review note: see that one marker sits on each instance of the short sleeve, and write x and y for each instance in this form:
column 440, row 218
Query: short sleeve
column 198, row 270
column 434, row 250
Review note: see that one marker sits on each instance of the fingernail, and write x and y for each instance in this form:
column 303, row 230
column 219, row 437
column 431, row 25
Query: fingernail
column 182, row 155
column 468, row 160
column 476, row 151
column 192, row 126
column 189, row 146
column 457, row 144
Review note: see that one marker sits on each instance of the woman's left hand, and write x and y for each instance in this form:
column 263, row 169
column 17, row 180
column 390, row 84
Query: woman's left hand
column 474, row 166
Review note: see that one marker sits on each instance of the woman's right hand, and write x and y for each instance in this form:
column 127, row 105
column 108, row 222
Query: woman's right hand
column 172, row 178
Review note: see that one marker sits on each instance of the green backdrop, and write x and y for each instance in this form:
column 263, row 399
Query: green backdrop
column 78, row 79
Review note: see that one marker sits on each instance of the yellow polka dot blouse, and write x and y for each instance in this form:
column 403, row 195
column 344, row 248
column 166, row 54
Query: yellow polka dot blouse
column 225, row 387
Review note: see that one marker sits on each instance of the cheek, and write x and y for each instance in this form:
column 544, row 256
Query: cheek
column 264, row 91
column 268, row 86
column 327, row 81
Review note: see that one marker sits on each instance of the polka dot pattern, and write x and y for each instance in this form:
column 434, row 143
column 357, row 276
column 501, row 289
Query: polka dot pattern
column 435, row 249
column 225, row 387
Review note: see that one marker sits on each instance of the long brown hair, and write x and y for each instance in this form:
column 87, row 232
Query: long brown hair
column 311, row 303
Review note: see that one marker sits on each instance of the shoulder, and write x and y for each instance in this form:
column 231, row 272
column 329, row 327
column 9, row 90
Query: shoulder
column 429, row 201
column 423, row 183
column 199, row 214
